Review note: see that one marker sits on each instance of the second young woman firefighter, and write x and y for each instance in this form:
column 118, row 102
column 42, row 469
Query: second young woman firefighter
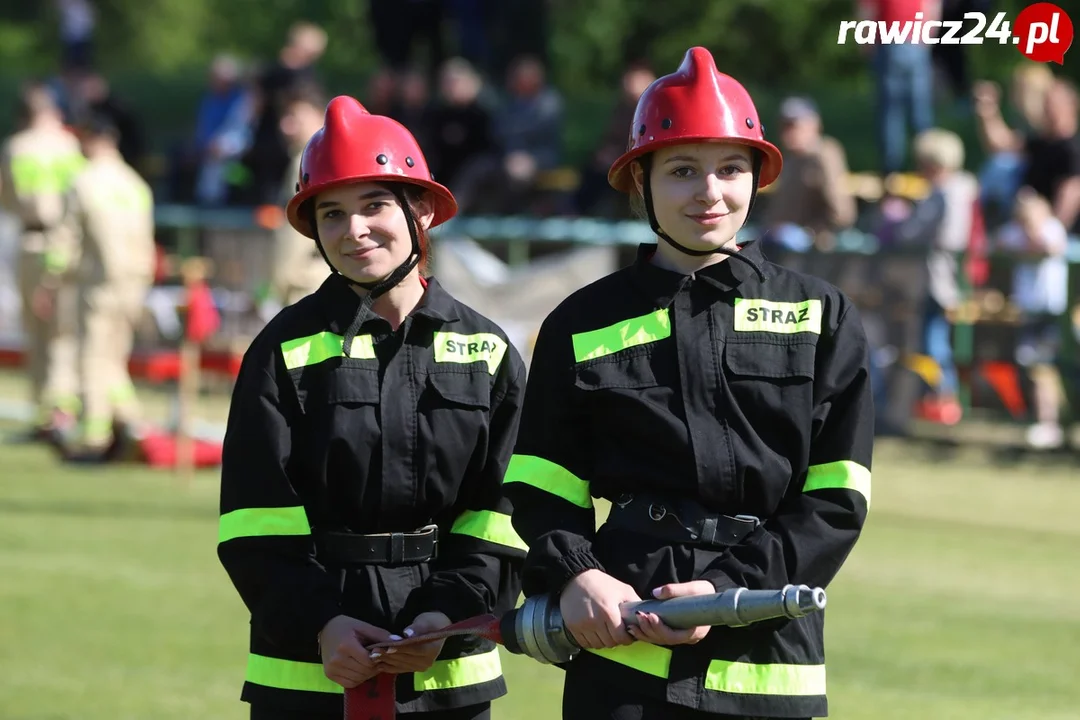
column 370, row 428
column 721, row 403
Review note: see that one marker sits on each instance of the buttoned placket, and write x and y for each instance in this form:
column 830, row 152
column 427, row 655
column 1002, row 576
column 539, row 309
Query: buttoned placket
column 699, row 348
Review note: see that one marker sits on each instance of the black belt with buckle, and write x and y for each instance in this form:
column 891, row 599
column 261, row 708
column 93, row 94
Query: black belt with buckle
column 679, row 520
column 393, row 548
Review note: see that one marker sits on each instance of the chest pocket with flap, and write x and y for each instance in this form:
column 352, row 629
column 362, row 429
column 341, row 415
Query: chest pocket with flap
column 786, row 361
column 340, row 384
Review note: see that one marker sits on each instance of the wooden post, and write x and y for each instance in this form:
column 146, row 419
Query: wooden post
column 192, row 271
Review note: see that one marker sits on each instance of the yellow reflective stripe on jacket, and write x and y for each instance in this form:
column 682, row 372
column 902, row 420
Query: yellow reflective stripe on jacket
column 549, row 477
column 641, row 656
column 56, row 260
column 289, row 675
column 622, row 335
column 317, row 348
column 261, row 522
column 724, row 675
column 39, row 175
column 489, row 525
column 758, row 315
column 843, row 474
column 131, row 198
column 481, row 347
column 752, row 679
column 460, row 672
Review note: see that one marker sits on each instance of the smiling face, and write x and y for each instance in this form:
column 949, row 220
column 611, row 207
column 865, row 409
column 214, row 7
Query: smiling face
column 701, row 192
column 363, row 229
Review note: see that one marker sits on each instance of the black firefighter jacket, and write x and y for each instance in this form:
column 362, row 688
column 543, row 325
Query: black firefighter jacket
column 414, row 427
column 747, row 393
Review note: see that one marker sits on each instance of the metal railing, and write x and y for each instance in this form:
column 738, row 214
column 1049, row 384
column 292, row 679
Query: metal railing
column 521, row 235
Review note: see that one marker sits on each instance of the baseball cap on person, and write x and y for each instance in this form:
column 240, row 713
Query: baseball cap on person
column 797, row 108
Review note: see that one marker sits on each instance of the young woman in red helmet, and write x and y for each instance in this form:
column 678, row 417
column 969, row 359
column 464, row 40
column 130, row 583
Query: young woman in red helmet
column 370, row 428
column 721, row 403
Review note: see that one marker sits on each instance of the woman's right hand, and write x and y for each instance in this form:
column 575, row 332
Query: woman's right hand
column 590, row 609
column 345, row 658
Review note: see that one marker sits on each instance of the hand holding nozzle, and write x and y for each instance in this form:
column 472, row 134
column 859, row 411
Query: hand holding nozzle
column 732, row 608
column 646, row 626
column 537, row 628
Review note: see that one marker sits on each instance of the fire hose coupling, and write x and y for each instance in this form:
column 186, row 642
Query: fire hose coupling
column 536, row 628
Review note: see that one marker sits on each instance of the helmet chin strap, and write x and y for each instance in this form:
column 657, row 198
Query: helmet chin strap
column 646, row 193
column 379, row 287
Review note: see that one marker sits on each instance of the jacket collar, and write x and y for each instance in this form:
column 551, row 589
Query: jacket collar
column 339, row 304
column 662, row 285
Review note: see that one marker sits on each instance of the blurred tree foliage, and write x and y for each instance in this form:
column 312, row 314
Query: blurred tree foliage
column 156, row 51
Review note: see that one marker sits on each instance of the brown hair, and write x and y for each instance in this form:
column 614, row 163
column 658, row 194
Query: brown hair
column 637, row 200
column 414, row 195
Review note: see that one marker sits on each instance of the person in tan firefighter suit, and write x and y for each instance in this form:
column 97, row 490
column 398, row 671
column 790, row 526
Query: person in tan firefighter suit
column 111, row 210
column 298, row 268
column 37, row 166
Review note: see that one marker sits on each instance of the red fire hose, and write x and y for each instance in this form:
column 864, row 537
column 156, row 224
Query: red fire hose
column 374, row 700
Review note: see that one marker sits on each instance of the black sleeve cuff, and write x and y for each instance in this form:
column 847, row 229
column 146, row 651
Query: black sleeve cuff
column 296, row 625
column 568, row 567
column 719, row 580
column 456, row 600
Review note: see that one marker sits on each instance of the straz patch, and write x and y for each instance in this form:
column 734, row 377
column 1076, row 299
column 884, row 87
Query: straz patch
column 756, row 315
column 465, row 349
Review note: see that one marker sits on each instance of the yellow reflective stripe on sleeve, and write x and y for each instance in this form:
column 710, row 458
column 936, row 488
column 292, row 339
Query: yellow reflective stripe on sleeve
column 641, row 656
column 39, row 175
column 494, row 527
column 56, row 261
column 724, row 675
column 622, row 335
column 549, row 477
column 843, row 474
column 289, row 675
column 481, row 347
column 459, row 672
column 320, row 347
column 786, row 318
column 752, row 679
column 262, row 522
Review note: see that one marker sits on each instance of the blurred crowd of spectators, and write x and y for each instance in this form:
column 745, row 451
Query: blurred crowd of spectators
column 492, row 125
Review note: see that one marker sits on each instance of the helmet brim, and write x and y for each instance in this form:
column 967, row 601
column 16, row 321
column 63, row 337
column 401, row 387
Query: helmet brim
column 443, row 203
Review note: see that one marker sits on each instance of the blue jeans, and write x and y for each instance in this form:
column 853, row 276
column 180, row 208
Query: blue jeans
column 937, row 342
column 904, row 75
column 999, row 179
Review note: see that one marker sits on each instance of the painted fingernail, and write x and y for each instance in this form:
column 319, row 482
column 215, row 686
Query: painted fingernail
column 376, row 655
column 409, row 632
column 395, row 637
column 391, row 651
column 656, row 593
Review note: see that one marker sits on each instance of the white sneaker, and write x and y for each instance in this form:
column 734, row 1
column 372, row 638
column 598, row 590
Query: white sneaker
column 1045, row 436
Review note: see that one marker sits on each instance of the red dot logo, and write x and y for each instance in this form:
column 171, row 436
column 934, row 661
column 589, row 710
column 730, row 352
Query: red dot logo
column 1043, row 32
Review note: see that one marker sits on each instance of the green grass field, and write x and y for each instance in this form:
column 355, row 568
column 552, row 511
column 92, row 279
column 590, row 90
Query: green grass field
column 959, row 602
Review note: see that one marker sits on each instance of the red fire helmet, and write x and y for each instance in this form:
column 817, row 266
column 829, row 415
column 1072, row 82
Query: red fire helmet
column 697, row 103
column 355, row 146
